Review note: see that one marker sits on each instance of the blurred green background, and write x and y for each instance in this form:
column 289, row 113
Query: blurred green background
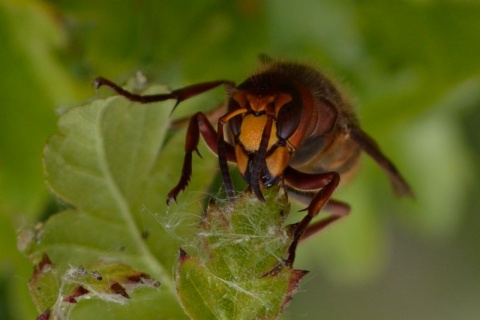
column 412, row 67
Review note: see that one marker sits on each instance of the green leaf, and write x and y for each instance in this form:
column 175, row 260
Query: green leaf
column 238, row 272
column 106, row 166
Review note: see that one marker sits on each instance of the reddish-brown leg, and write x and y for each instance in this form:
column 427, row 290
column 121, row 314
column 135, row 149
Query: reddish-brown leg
column 337, row 209
column 179, row 94
column 198, row 124
column 326, row 183
column 222, row 152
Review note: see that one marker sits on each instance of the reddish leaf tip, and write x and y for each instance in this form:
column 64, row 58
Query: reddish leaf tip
column 44, row 316
column 77, row 292
column 117, row 288
column 182, row 255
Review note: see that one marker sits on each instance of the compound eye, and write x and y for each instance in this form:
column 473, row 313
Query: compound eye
column 288, row 120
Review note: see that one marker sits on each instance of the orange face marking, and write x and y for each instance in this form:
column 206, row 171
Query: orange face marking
column 278, row 161
column 251, row 132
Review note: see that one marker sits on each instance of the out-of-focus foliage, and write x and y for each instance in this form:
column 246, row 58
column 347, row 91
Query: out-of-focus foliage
column 414, row 73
